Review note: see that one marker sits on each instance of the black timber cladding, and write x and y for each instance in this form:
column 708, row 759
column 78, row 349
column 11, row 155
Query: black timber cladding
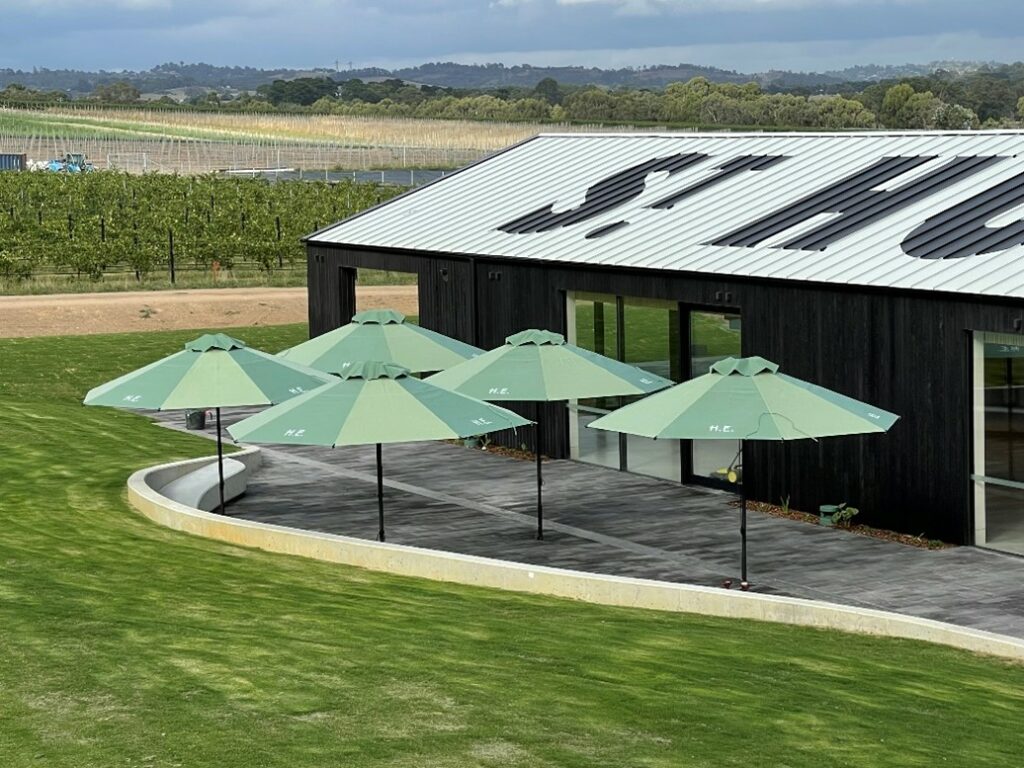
column 908, row 352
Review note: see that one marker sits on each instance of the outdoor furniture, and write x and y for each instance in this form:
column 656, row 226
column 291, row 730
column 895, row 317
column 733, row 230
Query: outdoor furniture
column 539, row 366
column 384, row 336
column 746, row 399
column 371, row 403
column 214, row 371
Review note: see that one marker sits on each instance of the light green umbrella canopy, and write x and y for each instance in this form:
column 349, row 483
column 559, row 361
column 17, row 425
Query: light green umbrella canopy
column 373, row 402
column 383, row 335
column 540, row 366
column 213, row 371
column 746, row 399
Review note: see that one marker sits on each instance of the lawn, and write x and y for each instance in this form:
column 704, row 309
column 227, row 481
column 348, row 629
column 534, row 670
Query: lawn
column 126, row 644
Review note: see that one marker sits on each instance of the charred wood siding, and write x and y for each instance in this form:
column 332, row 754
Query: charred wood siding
column 332, row 297
column 903, row 351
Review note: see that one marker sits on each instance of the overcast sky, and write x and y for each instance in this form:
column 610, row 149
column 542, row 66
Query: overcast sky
column 746, row 35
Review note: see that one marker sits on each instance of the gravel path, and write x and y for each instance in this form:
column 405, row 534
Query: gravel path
column 80, row 313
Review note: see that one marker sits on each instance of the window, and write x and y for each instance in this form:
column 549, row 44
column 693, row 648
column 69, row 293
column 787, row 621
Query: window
column 665, row 339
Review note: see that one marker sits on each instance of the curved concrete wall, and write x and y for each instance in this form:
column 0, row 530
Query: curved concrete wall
column 557, row 582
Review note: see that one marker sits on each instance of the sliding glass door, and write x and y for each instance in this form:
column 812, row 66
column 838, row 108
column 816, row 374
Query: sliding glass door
column 999, row 441
column 593, row 324
column 714, row 336
column 651, row 339
column 664, row 338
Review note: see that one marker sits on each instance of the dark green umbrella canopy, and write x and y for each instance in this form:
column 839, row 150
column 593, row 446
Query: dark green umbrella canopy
column 541, row 366
column 383, row 335
column 213, row 371
column 746, row 399
column 374, row 403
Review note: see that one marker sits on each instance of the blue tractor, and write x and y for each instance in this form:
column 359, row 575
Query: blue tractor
column 72, row 162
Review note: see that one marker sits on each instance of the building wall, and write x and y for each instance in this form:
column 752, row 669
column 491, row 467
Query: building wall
column 906, row 352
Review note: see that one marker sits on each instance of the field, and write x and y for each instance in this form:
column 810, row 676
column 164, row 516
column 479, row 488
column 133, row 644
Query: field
column 127, row 644
column 201, row 142
column 98, row 225
column 123, row 311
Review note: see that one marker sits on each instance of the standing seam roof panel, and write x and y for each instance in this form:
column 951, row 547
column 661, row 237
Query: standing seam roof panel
column 463, row 213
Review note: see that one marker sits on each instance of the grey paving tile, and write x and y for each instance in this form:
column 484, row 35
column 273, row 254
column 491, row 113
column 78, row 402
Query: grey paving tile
column 448, row 497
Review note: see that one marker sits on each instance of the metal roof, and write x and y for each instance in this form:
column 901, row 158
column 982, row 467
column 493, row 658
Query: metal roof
column 922, row 211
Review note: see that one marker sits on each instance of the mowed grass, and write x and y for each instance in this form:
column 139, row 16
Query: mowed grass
column 126, row 644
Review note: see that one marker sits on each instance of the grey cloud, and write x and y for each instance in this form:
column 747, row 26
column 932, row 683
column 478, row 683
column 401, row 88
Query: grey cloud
column 141, row 33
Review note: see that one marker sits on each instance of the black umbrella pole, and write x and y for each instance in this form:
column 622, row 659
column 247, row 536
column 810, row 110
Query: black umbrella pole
column 380, row 495
column 540, row 479
column 743, row 524
column 743, row 537
column 220, row 463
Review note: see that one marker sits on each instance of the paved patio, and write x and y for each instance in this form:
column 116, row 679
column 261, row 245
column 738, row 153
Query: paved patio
column 448, row 497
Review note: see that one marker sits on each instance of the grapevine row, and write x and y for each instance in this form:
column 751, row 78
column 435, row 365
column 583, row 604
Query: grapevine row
column 102, row 223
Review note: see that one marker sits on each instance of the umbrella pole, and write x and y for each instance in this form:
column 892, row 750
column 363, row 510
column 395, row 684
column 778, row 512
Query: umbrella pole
column 380, row 495
column 540, row 479
column 220, row 463
column 743, row 523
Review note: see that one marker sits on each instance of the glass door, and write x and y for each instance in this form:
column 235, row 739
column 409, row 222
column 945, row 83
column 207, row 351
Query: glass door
column 593, row 324
column 651, row 334
column 999, row 441
column 714, row 336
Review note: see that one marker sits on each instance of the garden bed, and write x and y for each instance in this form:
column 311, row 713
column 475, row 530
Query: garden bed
column 863, row 530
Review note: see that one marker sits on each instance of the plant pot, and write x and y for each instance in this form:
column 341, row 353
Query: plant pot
column 825, row 512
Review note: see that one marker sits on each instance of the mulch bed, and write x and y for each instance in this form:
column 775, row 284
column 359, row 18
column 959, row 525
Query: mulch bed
column 760, row 506
column 863, row 530
column 501, row 450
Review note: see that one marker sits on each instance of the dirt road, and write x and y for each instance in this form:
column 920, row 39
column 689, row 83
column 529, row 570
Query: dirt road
column 80, row 313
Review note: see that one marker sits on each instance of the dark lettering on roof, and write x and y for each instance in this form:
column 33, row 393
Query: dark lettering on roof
column 606, row 194
column 856, row 201
column 725, row 170
column 960, row 230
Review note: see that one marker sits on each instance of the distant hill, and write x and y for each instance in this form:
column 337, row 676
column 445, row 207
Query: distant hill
column 452, row 75
column 166, row 77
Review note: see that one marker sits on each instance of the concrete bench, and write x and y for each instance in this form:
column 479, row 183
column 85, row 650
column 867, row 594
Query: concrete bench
column 198, row 488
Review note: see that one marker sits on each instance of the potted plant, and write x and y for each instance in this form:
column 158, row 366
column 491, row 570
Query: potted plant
column 836, row 514
column 844, row 515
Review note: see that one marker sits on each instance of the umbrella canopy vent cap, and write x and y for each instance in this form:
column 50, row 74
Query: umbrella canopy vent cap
column 535, row 336
column 744, row 366
column 378, row 317
column 210, row 341
column 372, row 370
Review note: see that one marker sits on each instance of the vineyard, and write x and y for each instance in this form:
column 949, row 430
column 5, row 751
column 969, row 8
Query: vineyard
column 95, row 225
column 203, row 142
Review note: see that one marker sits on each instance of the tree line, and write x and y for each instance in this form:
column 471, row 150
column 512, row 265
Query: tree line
column 987, row 98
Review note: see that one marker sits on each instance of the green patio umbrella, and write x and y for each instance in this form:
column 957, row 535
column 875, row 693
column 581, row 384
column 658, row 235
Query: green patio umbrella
column 746, row 399
column 213, row 371
column 381, row 334
column 374, row 403
column 540, row 366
